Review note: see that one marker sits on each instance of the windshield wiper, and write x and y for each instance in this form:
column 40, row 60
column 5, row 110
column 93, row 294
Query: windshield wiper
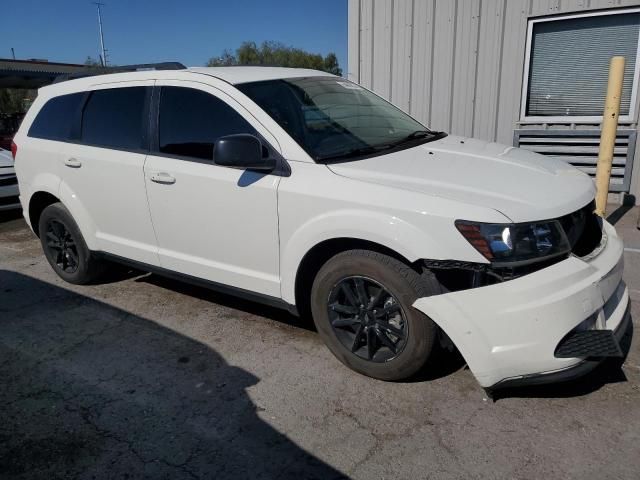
column 369, row 149
column 419, row 134
column 356, row 152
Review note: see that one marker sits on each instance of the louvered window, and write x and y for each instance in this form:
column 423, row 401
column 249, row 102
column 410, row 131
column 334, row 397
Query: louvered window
column 569, row 64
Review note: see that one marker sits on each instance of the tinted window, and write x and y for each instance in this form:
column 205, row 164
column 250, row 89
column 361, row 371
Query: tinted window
column 114, row 118
column 55, row 119
column 192, row 120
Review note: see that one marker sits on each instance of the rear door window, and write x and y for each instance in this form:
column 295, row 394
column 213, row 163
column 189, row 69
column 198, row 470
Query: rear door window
column 192, row 120
column 56, row 118
column 115, row 118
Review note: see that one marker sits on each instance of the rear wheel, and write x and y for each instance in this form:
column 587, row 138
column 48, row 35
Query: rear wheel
column 65, row 248
column 362, row 307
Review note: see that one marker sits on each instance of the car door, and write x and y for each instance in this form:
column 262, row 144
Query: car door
column 103, row 170
column 212, row 222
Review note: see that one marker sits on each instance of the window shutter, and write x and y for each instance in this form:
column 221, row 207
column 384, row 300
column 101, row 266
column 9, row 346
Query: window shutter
column 570, row 64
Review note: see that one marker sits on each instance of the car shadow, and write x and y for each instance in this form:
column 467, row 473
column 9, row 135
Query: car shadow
column 11, row 220
column 608, row 372
column 9, row 215
column 227, row 300
column 89, row 390
column 615, row 216
column 441, row 364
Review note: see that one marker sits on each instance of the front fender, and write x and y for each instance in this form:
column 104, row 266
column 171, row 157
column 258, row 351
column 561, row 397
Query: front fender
column 378, row 227
column 316, row 205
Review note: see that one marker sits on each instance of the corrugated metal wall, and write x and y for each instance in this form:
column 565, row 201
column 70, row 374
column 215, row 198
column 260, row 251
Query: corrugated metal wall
column 456, row 65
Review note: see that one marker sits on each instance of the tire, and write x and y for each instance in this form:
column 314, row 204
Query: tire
column 70, row 258
column 412, row 334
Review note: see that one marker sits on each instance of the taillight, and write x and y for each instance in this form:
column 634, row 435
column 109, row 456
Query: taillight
column 14, row 150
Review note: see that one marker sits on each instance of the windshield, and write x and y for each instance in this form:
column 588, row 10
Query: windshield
column 334, row 119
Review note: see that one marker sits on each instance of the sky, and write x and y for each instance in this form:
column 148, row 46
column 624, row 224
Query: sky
column 188, row 31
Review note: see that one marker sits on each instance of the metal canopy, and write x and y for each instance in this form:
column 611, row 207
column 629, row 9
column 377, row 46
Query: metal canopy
column 37, row 73
column 33, row 73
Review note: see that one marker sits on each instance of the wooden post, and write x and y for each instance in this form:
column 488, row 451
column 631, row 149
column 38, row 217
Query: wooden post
column 608, row 135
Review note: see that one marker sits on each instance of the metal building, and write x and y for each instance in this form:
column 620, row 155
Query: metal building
column 531, row 73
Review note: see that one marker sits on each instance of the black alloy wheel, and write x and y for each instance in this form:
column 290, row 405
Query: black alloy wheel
column 362, row 306
column 61, row 247
column 367, row 319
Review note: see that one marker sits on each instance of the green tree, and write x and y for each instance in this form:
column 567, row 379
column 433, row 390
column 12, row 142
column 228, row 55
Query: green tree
column 225, row 60
column 331, row 64
column 15, row 100
column 277, row 54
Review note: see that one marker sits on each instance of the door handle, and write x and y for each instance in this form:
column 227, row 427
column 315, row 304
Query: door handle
column 163, row 178
column 73, row 163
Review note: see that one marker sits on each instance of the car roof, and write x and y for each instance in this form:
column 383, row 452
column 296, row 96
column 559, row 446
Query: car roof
column 232, row 75
column 246, row 74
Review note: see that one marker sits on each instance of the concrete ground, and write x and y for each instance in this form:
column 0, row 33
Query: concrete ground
column 147, row 377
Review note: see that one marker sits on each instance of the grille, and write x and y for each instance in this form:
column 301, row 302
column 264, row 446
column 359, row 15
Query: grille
column 583, row 229
column 589, row 343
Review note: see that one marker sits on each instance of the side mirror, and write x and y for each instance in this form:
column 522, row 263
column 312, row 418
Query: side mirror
column 241, row 151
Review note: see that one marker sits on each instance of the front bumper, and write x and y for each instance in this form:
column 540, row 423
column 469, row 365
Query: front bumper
column 509, row 331
column 9, row 197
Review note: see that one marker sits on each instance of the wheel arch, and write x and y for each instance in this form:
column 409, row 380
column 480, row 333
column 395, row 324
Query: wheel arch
column 37, row 203
column 43, row 197
column 318, row 255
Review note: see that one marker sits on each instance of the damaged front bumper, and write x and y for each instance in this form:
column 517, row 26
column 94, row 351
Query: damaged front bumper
column 510, row 332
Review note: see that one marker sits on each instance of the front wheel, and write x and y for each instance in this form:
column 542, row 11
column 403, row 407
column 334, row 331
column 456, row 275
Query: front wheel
column 362, row 307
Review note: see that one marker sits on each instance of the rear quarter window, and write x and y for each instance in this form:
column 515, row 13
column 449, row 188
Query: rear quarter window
column 55, row 119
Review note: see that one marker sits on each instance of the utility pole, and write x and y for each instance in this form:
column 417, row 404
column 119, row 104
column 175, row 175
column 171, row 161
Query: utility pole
column 103, row 55
column 13, row 53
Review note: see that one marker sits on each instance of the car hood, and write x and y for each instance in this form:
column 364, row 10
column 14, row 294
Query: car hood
column 522, row 185
column 6, row 160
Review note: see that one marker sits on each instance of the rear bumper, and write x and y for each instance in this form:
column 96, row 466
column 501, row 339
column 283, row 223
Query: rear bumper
column 509, row 332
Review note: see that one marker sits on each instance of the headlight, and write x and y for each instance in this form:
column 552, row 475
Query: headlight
column 518, row 243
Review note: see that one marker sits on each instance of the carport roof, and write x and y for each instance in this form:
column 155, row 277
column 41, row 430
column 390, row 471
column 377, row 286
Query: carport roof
column 33, row 73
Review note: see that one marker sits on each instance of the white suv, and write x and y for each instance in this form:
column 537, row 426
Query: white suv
column 304, row 190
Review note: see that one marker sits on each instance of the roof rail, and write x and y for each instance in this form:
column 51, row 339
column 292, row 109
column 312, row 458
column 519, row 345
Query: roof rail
column 141, row 67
